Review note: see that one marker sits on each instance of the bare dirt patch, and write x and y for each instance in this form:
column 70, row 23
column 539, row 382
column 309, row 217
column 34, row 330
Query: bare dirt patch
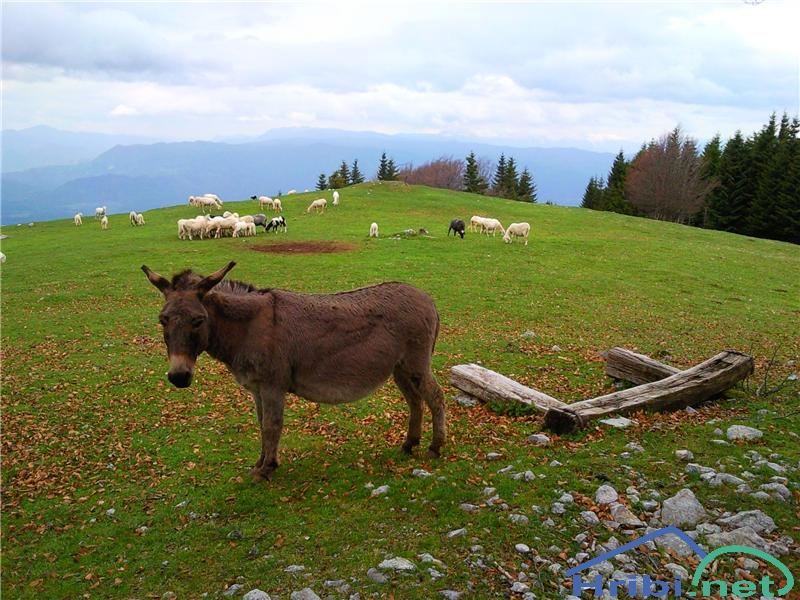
column 308, row 247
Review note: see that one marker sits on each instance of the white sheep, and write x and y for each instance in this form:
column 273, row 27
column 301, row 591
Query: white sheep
column 317, row 205
column 291, row 192
column 335, row 198
column 265, row 201
column 227, row 214
column 248, row 219
column 244, row 229
column 132, row 217
column 2, row 257
column 191, row 228
column 277, row 206
column 104, row 222
column 139, row 219
column 213, row 196
column 204, row 202
column 492, row 225
column 78, row 219
column 517, row 230
column 476, row 223
column 222, row 225
column 99, row 212
column 373, row 230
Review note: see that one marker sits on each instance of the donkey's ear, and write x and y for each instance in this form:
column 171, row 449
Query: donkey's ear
column 209, row 282
column 157, row 280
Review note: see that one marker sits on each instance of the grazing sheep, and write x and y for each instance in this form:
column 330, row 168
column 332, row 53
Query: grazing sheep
column 476, row 223
column 244, row 229
column 139, row 219
column 317, row 205
column 457, row 227
column 220, row 226
column 492, row 225
column 192, row 228
column 277, row 206
column 335, row 198
column 263, row 201
column 214, row 197
column 227, row 214
column 276, row 223
column 78, row 219
column 291, row 192
column 204, row 202
column 517, row 230
column 2, row 257
column 104, row 222
column 132, row 217
column 260, row 219
column 99, row 212
column 373, row 230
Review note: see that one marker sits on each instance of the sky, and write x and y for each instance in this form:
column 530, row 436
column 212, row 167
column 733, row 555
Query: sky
column 590, row 74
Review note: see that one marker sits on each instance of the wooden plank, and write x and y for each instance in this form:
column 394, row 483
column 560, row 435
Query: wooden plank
column 684, row 388
column 636, row 368
column 493, row 387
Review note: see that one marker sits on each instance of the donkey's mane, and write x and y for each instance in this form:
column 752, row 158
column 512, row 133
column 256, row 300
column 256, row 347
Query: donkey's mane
column 188, row 279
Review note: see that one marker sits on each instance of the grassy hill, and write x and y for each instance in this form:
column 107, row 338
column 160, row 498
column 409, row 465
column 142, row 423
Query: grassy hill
column 91, row 424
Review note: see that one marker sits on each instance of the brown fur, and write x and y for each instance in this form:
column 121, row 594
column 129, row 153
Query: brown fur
column 327, row 348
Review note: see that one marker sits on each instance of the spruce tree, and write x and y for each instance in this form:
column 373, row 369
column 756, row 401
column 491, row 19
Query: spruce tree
column 729, row 202
column 473, row 181
column 614, row 194
column 322, row 182
column 526, row 190
column 344, row 173
column 593, row 196
column 382, row 168
column 761, row 148
column 391, row 170
column 499, row 177
column 355, row 173
column 511, row 179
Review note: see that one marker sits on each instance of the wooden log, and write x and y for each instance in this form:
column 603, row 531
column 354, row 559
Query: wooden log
column 684, row 388
column 493, row 387
column 636, row 368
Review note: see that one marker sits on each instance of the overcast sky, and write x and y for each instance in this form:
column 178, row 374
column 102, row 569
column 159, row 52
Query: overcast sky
column 596, row 75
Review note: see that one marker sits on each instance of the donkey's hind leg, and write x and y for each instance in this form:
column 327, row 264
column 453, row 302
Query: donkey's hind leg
column 434, row 398
column 411, row 394
column 259, row 413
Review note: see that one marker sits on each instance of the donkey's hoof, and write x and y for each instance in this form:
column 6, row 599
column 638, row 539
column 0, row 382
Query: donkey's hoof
column 433, row 452
column 408, row 446
column 260, row 474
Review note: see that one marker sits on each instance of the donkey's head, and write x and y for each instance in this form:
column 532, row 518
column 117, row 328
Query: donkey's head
column 185, row 319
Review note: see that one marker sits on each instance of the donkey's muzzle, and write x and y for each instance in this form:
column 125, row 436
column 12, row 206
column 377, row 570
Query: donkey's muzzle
column 180, row 379
column 180, row 372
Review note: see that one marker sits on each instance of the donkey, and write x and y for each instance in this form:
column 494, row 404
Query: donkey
column 327, row 348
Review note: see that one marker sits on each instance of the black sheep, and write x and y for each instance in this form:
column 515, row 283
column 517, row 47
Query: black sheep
column 457, row 227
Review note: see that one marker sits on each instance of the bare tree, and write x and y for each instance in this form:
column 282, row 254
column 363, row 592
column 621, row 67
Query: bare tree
column 445, row 172
column 665, row 180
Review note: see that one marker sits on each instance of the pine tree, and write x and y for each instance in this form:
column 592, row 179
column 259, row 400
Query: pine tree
column 761, row 148
column 729, row 203
column 391, row 170
column 322, row 182
column 614, row 194
column 526, row 189
column 499, row 177
column 473, row 181
column 344, row 173
column 382, row 168
column 593, row 196
column 355, row 173
column 712, row 155
column 511, row 179
column 336, row 181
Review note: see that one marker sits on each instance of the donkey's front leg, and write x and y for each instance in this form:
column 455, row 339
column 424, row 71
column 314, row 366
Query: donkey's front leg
column 257, row 402
column 272, row 402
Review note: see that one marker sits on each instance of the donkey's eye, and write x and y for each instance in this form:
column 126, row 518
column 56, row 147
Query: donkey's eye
column 163, row 320
column 197, row 321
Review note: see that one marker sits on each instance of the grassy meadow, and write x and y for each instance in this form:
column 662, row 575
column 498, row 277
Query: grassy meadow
column 90, row 423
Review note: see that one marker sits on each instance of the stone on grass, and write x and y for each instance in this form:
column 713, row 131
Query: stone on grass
column 519, row 588
column 294, row 569
column 743, row 536
column 420, row 473
column 755, row 519
column 634, row 447
column 494, row 456
column 539, row 439
column 682, row 509
column 380, row 491
column 233, row 589
column 398, row 563
column 456, row 533
column 256, row 594
column 618, row 422
column 686, row 455
column 377, row 576
column 557, row 508
column 590, row 517
column 622, row 515
column 522, row 548
column 677, row 571
column 518, row 519
column 725, row 479
column 466, row 400
column 743, row 432
column 606, row 494
column 674, row 543
column 566, row 498
column 777, row 491
column 467, row 507
column 305, row 594
column 450, row 594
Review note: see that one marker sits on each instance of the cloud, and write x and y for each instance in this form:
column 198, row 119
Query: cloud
column 122, row 110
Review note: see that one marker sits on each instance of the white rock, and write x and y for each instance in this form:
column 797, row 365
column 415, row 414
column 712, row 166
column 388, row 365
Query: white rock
column 456, row 533
column 618, row 422
column 493, row 456
column 522, row 548
column 557, row 508
column 256, row 594
column 726, row 479
column 518, row 519
column 467, row 507
column 420, row 473
column 743, row 432
column 606, row 494
column 294, row 569
column 682, row 509
column 539, row 439
column 234, row 588
column 686, row 455
column 450, row 594
column 398, row 563
column 566, row 499
column 677, row 571
column 755, row 519
column 589, row 517
column 778, row 491
column 743, row 536
column 622, row 515
column 380, row 491
column 377, row 576
column 634, row 447
column 305, row 594
column 519, row 588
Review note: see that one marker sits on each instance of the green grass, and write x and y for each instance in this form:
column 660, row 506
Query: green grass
column 90, row 423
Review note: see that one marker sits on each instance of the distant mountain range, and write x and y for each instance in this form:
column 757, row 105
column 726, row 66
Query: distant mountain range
column 143, row 176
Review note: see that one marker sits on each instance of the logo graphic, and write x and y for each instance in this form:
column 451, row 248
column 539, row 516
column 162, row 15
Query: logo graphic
column 637, row 586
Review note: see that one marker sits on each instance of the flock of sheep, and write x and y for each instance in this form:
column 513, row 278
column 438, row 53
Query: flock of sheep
column 488, row 225
column 136, row 219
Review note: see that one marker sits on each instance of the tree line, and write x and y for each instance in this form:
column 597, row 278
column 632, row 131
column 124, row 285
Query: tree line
column 472, row 174
column 748, row 185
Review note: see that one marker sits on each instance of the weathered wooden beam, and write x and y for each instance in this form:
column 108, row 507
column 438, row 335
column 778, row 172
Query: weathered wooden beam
column 493, row 387
column 636, row 368
column 684, row 388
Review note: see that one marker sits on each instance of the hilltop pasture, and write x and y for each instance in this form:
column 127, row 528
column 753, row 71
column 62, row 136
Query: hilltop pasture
column 117, row 485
